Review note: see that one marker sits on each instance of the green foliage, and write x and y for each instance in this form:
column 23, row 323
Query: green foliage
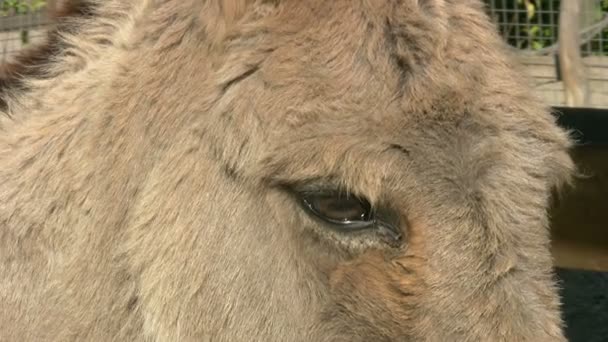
column 16, row 7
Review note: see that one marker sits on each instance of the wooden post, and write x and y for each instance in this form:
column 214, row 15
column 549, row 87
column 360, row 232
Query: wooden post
column 572, row 68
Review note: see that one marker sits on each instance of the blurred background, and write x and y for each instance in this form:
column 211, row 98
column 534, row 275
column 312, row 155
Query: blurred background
column 563, row 47
column 562, row 44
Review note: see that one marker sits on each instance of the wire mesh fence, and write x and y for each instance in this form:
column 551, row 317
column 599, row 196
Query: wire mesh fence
column 21, row 22
column 525, row 27
column 532, row 27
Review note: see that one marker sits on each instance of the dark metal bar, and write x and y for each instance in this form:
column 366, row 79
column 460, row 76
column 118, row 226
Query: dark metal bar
column 589, row 125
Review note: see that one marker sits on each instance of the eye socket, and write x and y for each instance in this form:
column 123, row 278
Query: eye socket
column 341, row 209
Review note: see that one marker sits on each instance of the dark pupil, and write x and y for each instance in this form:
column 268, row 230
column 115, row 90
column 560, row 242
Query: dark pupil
column 340, row 208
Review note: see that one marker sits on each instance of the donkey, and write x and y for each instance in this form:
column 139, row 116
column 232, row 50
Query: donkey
column 279, row 170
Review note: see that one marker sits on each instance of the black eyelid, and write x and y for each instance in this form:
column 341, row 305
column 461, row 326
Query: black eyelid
column 383, row 220
column 352, row 225
column 326, row 192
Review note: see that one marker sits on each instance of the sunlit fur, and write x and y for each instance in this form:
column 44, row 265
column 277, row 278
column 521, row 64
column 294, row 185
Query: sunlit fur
column 145, row 187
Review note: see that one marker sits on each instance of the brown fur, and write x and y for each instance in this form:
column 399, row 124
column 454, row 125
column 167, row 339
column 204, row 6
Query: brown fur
column 32, row 61
column 143, row 186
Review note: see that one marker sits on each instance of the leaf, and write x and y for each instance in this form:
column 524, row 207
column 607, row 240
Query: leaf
column 22, row 8
column 530, row 9
column 533, row 30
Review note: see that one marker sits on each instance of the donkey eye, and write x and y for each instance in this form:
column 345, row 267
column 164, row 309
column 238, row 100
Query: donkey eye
column 341, row 209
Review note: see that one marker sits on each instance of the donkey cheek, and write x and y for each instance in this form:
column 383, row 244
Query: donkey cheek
column 376, row 287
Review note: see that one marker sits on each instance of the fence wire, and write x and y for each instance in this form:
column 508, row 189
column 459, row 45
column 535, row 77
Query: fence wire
column 532, row 27
column 22, row 22
column 523, row 27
